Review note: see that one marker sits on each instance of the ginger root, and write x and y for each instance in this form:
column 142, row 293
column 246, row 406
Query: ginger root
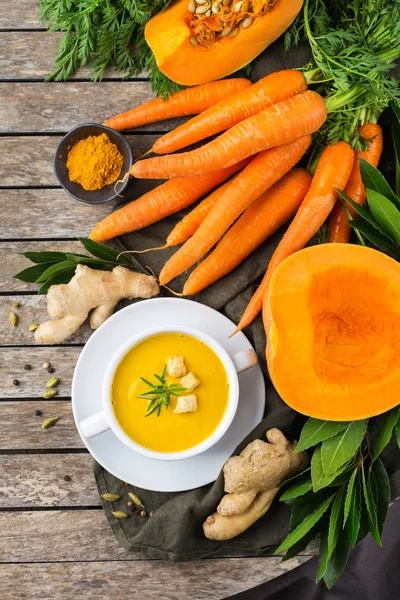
column 252, row 481
column 69, row 304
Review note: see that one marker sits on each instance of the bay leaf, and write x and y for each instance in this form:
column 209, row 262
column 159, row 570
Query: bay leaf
column 53, row 270
column 319, row 478
column 379, row 240
column 349, row 495
column 339, row 449
column 385, row 432
column 382, row 498
column 32, row 274
column 374, row 180
column 298, row 489
column 353, row 520
column 44, row 256
column 369, row 501
column 315, row 431
column 336, row 520
column 385, row 213
column 104, row 252
column 323, row 555
column 305, row 526
column 338, row 560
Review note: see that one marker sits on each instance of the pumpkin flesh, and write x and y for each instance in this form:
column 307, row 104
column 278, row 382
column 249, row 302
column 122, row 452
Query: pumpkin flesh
column 169, row 33
column 333, row 348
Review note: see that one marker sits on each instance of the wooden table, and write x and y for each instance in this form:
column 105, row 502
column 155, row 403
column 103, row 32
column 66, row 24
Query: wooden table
column 55, row 542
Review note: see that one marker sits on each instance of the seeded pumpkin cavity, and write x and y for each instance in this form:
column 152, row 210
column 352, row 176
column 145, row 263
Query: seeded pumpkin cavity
column 210, row 21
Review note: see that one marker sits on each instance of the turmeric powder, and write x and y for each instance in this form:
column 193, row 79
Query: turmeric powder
column 94, row 162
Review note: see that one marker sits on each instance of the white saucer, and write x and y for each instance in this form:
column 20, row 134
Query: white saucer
column 107, row 449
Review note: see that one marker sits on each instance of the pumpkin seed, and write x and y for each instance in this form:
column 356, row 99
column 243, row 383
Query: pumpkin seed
column 110, row 497
column 245, row 6
column 227, row 2
column 234, row 32
column 208, row 13
column 194, row 42
column 201, row 1
column 192, row 6
column 236, row 7
column 201, row 10
column 247, row 22
column 226, row 31
column 215, row 7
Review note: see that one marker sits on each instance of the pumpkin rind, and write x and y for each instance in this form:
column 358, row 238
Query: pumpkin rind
column 332, row 315
column 168, row 36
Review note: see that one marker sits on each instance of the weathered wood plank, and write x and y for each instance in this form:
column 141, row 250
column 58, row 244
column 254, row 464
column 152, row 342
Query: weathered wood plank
column 45, row 107
column 20, row 428
column 32, row 383
column 202, row 580
column 28, row 161
column 31, row 54
column 20, row 14
column 62, row 535
column 37, row 480
column 47, row 213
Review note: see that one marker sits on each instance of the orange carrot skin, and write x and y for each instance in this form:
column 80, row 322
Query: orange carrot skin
column 190, row 101
column 333, row 171
column 280, row 124
column 267, row 91
column 262, row 172
column 339, row 229
column 269, row 212
column 166, row 199
column 192, row 221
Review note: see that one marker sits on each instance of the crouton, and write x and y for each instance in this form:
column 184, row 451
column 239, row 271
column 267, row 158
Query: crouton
column 186, row 404
column 190, row 382
column 176, row 366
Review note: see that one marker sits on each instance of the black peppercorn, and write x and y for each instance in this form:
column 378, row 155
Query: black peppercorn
column 38, row 413
column 50, row 370
column 15, row 382
column 67, row 478
column 27, row 367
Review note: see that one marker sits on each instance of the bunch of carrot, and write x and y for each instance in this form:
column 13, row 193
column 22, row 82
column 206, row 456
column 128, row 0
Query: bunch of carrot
column 266, row 128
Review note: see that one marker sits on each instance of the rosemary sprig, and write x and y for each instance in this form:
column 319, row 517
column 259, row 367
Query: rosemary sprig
column 160, row 394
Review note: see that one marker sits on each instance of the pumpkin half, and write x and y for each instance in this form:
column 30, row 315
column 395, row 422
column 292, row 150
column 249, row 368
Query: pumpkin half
column 333, row 318
column 192, row 48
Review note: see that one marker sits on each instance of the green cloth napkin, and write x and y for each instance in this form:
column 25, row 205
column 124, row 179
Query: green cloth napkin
column 174, row 532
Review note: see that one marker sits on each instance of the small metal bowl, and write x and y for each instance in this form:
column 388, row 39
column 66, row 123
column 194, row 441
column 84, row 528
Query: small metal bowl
column 105, row 194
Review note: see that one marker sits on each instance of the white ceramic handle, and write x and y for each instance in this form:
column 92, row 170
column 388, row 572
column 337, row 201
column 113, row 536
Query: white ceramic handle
column 244, row 360
column 94, row 425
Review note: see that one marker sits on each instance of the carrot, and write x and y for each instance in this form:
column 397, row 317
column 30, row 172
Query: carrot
column 269, row 212
column 164, row 200
column 263, row 171
column 281, row 123
column 247, row 102
column 190, row 101
column 339, row 229
column 192, row 221
column 333, row 171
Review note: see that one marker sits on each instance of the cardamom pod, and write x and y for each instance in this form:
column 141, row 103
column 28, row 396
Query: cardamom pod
column 49, row 422
column 52, row 382
column 16, row 304
column 49, row 394
column 13, row 319
column 33, row 327
column 111, row 497
column 119, row 514
column 136, row 499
